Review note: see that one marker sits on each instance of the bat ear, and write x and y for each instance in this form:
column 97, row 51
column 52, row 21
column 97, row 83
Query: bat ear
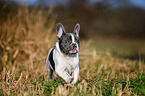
column 77, row 29
column 60, row 30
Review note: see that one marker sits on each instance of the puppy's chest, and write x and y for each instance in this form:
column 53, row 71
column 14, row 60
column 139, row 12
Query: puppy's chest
column 70, row 63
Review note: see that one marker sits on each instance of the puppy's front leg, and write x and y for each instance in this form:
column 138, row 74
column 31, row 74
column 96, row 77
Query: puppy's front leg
column 63, row 74
column 76, row 75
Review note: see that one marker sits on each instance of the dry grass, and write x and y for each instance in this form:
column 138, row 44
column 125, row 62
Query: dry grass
column 24, row 43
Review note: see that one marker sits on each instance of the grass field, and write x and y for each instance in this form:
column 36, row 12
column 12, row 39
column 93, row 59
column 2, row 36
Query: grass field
column 106, row 67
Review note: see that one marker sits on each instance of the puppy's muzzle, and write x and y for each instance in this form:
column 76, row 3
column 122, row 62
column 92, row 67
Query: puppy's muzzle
column 74, row 45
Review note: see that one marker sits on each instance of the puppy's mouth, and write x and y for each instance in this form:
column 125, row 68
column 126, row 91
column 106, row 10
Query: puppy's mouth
column 73, row 51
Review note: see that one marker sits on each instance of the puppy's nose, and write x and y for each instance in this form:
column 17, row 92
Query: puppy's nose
column 74, row 45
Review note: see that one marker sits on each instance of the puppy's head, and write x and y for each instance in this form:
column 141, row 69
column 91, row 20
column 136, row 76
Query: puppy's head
column 68, row 42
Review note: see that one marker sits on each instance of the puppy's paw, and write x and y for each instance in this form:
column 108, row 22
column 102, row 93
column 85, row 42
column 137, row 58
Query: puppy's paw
column 51, row 77
column 70, row 85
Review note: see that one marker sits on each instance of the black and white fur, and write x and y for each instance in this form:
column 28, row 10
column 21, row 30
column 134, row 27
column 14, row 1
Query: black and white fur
column 63, row 58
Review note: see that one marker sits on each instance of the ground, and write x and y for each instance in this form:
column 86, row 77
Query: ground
column 107, row 67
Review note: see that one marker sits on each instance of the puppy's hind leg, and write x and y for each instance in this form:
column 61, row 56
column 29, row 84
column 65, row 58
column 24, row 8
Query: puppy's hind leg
column 50, row 73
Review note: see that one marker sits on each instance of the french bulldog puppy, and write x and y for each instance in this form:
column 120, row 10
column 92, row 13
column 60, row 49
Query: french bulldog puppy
column 63, row 58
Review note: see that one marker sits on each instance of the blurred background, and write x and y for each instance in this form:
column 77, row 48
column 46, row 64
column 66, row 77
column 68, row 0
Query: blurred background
column 123, row 19
column 117, row 26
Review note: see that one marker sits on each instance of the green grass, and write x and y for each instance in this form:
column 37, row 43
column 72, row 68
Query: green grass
column 100, row 74
column 132, row 50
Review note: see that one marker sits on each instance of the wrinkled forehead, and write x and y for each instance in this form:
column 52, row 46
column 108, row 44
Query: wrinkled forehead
column 68, row 35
